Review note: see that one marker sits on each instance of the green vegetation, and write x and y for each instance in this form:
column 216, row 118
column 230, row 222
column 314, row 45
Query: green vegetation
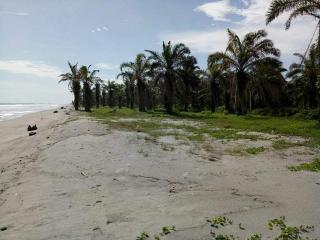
column 217, row 125
column 283, row 230
column 164, row 231
column 282, row 144
column 216, row 222
column 255, row 150
column 313, row 166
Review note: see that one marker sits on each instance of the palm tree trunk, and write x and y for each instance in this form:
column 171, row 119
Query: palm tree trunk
column 87, row 96
column 97, row 95
column 168, row 94
column 141, row 92
column 213, row 95
column 187, row 96
column 76, row 92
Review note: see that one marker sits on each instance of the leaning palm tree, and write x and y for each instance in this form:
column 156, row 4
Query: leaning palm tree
column 74, row 83
column 88, row 78
column 140, row 71
column 242, row 55
column 295, row 7
column 166, row 67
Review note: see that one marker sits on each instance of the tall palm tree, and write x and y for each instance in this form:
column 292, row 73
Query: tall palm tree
column 140, row 71
column 128, row 80
column 166, row 66
column 74, row 83
column 97, row 82
column 88, row 78
column 242, row 56
column 111, row 89
column 189, row 74
column 215, row 74
column 104, row 95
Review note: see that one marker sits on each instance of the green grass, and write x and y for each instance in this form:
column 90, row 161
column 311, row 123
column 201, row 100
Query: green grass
column 255, row 150
column 217, row 125
column 282, row 144
column 313, row 166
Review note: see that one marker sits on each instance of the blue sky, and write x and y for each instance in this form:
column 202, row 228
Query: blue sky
column 38, row 37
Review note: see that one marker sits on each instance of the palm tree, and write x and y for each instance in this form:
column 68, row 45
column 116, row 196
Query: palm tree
column 189, row 74
column 111, row 89
column 304, row 77
column 295, row 7
column 266, row 85
column 166, row 66
column 215, row 74
column 104, row 95
column 74, row 83
column 88, row 78
column 242, row 56
column 128, row 80
column 97, row 83
column 140, row 71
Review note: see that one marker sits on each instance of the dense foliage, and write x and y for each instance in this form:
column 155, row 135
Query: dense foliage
column 246, row 76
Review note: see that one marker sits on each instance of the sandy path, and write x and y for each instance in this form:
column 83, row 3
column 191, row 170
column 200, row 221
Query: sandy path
column 88, row 182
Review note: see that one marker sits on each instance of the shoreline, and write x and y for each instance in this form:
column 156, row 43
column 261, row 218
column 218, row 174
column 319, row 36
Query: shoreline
column 25, row 112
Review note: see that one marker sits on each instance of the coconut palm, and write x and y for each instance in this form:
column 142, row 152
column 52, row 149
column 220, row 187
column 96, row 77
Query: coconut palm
column 140, row 71
column 88, row 78
column 242, row 56
column 166, row 66
column 73, row 77
column 189, row 75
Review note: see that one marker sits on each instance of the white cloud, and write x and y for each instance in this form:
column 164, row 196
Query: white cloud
column 38, row 69
column 100, row 29
column 14, row 13
column 218, row 10
column 295, row 39
column 107, row 66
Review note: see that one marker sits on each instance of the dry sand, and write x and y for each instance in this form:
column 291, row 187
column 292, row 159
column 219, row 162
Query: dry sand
column 77, row 179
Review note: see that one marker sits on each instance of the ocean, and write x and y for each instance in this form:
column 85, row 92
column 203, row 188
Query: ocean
column 14, row 110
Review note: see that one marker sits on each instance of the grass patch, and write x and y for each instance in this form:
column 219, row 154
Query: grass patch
column 255, row 150
column 313, row 166
column 282, row 144
column 227, row 124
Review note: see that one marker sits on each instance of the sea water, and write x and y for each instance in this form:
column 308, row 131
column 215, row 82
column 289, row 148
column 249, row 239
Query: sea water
column 14, row 110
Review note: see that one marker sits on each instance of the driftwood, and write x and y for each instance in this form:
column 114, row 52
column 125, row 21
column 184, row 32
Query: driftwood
column 32, row 133
column 33, row 128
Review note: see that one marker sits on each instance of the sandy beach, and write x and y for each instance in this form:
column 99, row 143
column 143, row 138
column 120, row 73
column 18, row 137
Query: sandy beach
column 79, row 179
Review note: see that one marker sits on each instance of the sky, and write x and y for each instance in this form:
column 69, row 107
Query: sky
column 38, row 37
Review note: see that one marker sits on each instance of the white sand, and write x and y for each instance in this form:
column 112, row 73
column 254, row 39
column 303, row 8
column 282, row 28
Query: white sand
column 79, row 180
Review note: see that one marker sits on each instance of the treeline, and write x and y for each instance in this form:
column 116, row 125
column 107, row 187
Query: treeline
column 247, row 75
